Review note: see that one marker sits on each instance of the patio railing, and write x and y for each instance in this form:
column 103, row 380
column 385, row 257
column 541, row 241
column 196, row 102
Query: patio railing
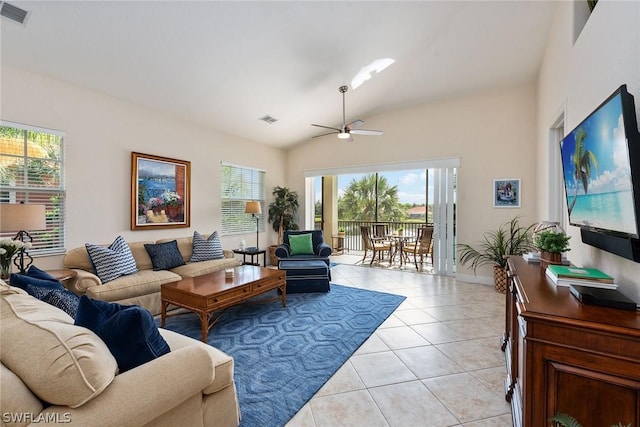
column 353, row 237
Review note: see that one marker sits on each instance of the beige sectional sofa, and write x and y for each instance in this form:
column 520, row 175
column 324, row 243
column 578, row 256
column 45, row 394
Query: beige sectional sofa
column 46, row 358
column 141, row 288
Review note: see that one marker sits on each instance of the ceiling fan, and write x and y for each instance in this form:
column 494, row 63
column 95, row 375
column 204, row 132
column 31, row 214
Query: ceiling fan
column 347, row 129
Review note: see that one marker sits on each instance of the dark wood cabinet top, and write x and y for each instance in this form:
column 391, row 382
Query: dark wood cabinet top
column 541, row 299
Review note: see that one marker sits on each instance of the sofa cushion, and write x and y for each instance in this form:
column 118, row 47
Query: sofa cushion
column 205, row 249
column 50, row 291
column 61, row 363
column 165, row 256
column 143, row 282
column 129, row 331
column 301, row 244
column 195, row 269
column 111, row 262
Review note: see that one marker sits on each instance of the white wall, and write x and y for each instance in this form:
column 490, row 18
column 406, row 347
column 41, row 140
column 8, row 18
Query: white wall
column 493, row 134
column 580, row 76
column 101, row 132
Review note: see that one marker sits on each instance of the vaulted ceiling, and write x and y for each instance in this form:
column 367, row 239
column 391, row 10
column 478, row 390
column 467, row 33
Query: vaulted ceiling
column 226, row 64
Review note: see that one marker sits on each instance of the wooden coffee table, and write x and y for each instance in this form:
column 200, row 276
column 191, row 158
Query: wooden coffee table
column 213, row 292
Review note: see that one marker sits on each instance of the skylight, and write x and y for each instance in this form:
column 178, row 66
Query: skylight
column 365, row 72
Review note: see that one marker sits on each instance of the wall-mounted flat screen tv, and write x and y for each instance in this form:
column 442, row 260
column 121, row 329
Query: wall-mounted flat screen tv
column 599, row 160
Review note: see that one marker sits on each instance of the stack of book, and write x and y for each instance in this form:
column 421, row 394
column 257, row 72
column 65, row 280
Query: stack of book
column 563, row 275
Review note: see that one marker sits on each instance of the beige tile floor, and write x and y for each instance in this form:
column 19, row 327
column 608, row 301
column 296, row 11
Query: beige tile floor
column 436, row 361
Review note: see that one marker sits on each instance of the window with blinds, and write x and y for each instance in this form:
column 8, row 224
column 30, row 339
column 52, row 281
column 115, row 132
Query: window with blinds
column 239, row 186
column 32, row 171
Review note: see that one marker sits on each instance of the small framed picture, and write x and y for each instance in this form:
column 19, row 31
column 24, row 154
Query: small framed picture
column 506, row 193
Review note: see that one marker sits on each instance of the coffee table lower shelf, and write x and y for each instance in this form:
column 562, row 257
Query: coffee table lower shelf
column 211, row 293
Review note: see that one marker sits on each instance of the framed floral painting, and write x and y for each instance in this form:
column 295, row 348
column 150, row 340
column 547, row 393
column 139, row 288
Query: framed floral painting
column 160, row 192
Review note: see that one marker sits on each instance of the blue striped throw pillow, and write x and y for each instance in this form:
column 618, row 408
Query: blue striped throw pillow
column 112, row 262
column 206, row 249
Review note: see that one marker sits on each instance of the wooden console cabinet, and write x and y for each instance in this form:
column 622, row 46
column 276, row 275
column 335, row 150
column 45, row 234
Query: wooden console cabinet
column 565, row 356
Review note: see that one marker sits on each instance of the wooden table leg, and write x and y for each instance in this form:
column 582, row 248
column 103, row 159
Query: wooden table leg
column 204, row 320
column 164, row 313
column 283, row 292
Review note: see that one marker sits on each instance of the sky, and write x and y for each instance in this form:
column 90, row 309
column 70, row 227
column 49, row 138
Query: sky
column 411, row 185
column 606, row 140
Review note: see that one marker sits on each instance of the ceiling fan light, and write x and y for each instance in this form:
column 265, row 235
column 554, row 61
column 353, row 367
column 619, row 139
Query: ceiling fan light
column 344, row 135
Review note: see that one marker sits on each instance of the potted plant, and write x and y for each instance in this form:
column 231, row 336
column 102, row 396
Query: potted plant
column 551, row 246
column 341, row 231
column 282, row 215
column 400, row 231
column 509, row 239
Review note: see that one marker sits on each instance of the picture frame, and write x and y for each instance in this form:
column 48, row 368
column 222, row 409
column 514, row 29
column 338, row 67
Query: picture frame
column 160, row 192
column 507, row 193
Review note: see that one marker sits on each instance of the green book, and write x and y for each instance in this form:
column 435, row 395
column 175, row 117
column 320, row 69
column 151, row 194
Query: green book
column 593, row 274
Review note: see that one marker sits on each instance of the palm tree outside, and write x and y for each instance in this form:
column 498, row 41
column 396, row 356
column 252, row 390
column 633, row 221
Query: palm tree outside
column 369, row 196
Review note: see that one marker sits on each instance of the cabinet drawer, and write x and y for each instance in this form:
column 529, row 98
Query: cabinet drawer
column 270, row 283
column 231, row 295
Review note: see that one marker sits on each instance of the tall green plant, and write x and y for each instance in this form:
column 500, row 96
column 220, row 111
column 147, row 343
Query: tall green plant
column 509, row 239
column 283, row 210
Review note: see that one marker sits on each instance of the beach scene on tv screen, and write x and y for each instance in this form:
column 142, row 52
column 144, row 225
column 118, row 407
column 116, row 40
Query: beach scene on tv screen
column 597, row 175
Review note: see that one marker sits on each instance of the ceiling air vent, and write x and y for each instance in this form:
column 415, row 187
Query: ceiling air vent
column 268, row 119
column 12, row 12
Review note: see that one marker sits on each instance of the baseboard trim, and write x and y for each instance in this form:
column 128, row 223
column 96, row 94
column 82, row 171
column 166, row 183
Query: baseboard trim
column 482, row 280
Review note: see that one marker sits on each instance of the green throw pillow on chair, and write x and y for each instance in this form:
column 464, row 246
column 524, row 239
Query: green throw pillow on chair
column 301, row 244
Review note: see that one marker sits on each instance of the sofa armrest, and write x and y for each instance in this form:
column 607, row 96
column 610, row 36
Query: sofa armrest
column 138, row 396
column 228, row 254
column 83, row 281
column 323, row 250
column 283, row 251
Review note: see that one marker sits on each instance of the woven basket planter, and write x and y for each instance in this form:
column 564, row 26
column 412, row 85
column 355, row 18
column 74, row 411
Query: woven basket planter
column 500, row 279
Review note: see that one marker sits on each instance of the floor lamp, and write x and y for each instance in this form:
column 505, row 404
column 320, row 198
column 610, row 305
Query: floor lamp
column 21, row 217
column 254, row 209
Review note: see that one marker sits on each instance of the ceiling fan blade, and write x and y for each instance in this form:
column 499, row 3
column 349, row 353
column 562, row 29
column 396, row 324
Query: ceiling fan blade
column 355, row 124
column 327, row 127
column 366, row 132
column 350, row 138
column 325, row 134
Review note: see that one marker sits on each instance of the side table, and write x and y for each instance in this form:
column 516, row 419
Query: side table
column 338, row 244
column 62, row 275
column 252, row 254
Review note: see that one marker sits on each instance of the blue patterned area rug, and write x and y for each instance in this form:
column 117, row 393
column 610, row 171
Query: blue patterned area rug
column 284, row 355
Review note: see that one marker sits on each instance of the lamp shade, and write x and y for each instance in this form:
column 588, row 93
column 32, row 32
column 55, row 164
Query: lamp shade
column 253, row 208
column 22, row 216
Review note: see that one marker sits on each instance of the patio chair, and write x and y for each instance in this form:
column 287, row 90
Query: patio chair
column 421, row 247
column 369, row 243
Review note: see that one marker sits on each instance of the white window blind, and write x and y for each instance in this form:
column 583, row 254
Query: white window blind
column 32, row 171
column 239, row 186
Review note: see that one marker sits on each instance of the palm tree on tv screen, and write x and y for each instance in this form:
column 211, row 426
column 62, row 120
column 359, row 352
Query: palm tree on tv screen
column 582, row 161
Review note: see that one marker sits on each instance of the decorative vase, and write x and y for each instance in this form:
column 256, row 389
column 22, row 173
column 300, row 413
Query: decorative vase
column 5, row 269
column 173, row 211
column 500, row 279
column 547, row 258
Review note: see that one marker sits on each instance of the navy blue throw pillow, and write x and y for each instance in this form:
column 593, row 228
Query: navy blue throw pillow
column 164, row 256
column 35, row 272
column 26, row 282
column 50, row 291
column 129, row 332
